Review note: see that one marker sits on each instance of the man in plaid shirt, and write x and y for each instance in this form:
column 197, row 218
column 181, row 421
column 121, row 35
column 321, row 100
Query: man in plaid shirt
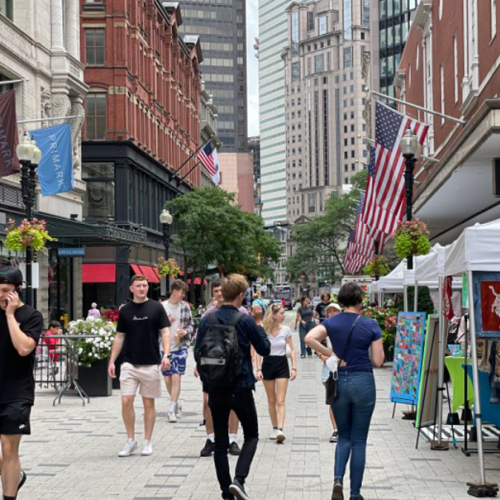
column 181, row 332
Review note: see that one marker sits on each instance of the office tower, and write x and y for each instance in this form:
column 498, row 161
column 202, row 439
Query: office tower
column 222, row 30
column 325, row 97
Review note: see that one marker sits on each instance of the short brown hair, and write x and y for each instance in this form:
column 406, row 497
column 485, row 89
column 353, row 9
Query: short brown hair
column 138, row 277
column 350, row 294
column 179, row 285
column 232, row 286
column 217, row 283
column 325, row 295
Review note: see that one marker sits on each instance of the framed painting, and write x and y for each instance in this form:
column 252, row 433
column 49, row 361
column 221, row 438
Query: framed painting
column 486, row 287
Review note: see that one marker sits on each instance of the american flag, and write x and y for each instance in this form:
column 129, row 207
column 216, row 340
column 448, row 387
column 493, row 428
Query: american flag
column 385, row 196
column 207, row 159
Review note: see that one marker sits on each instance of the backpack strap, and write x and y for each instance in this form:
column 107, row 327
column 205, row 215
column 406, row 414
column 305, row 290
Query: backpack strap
column 235, row 319
column 212, row 319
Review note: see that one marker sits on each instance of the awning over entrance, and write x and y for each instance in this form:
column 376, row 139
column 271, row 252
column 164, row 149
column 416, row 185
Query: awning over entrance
column 150, row 274
column 197, row 281
column 136, row 269
column 98, row 273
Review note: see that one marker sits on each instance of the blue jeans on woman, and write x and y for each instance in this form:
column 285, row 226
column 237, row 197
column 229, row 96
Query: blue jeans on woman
column 353, row 411
column 303, row 331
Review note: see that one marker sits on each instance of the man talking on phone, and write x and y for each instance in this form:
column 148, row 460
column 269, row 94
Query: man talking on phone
column 20, row 329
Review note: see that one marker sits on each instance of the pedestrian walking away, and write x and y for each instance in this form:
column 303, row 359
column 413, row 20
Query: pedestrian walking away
column 20, row 330
column 274, row 370
column 305, row 321
column 140, row 324
column 351, row 336
column 181, row 332
column 234, row 423
column 231, row 384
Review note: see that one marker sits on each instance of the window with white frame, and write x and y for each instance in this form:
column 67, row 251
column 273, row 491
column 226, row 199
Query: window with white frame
column 322, row 25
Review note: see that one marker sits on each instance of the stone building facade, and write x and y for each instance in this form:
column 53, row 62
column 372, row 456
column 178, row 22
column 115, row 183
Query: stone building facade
column 40, row 44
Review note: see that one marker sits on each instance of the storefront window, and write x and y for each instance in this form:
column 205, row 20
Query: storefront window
column 60, row 284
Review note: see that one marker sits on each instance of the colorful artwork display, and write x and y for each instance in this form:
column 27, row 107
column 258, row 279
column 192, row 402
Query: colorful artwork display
column 487, row 303
column 407, row 357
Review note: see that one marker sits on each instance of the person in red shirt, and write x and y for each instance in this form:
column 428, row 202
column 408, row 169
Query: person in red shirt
column 53, row 344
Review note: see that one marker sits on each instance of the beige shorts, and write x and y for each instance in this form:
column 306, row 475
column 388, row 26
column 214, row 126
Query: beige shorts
column 145, row 377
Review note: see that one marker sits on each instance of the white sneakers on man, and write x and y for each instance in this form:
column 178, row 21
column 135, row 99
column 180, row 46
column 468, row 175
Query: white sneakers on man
column 273, row 434
column 178, row 411
column 147, row 448
column 280, row 436
column 171, row 417
column 129, row 448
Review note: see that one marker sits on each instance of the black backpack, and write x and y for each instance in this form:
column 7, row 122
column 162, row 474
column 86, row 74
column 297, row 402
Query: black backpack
column 218, row 358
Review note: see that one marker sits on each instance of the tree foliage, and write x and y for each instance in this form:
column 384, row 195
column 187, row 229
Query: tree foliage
column 320, row 243
column 211, row 229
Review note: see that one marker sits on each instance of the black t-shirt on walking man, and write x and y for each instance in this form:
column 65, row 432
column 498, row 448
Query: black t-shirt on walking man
column 16, row 372
column 141, row 324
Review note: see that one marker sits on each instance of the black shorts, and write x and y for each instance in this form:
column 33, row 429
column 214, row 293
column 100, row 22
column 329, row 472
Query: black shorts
column 15, row 418
column 274, row 367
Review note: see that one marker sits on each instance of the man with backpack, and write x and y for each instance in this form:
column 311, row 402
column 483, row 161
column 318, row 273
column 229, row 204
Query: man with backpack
column 223, row 357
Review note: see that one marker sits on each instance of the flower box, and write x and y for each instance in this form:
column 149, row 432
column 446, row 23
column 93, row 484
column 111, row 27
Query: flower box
column 95, row 380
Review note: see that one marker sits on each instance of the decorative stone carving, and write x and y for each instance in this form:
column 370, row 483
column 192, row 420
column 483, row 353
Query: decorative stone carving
column 46, row 103
column 367, row 111
column 76, row 130
column 61, row 106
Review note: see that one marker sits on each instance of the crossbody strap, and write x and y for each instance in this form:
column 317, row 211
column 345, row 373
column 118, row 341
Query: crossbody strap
column 348, row 340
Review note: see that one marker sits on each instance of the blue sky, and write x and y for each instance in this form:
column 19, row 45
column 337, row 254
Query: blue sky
column 252, row 68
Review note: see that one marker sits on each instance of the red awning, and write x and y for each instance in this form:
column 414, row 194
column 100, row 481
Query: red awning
column 197, row 281
column 98, row 273
column 136, row 269
column 150, row 274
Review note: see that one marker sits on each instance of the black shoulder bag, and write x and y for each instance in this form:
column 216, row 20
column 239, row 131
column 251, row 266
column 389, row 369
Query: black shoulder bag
column 332, row 381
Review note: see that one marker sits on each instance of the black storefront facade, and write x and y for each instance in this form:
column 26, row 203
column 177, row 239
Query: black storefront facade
column 126, row 192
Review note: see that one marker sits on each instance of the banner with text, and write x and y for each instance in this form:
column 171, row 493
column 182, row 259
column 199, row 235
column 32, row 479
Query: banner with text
column 55, row 171
column 9, row 163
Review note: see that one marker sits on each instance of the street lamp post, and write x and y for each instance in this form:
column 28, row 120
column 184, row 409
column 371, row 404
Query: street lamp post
column 29, row 157
column 409, row 148
column 166, row 221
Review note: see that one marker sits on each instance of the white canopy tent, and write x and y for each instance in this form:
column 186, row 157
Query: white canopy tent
column 476, row 249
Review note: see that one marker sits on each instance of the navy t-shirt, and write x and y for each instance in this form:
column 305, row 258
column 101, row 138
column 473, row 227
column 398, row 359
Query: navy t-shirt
column 365, row 332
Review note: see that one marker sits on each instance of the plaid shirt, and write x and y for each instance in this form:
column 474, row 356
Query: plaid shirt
column 186, row 323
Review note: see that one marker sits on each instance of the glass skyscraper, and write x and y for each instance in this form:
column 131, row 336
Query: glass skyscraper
column 221, row 25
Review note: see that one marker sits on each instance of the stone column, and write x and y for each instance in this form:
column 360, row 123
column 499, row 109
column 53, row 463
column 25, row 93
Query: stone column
column 72, row 28
column 57, row 20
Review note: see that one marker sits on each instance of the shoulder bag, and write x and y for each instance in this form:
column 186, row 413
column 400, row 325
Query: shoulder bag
column 332, row 381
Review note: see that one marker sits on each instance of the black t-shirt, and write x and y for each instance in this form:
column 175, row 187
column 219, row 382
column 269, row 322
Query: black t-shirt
column 141, row 324
column 16, row 372
column 321, row 310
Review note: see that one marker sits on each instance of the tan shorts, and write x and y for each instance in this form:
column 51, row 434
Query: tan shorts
column 145, row 377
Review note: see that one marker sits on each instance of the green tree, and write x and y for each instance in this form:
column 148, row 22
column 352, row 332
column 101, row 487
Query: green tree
column 211, row 229
column 320, row 243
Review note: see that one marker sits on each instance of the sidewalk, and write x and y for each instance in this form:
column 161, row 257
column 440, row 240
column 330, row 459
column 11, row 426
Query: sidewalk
column 72, row 453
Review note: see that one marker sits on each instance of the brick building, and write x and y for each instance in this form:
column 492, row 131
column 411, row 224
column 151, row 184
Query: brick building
column 451, row 65
column 142, row 124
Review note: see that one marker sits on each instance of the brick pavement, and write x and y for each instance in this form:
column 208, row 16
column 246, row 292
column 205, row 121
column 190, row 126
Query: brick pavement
column 72, row 453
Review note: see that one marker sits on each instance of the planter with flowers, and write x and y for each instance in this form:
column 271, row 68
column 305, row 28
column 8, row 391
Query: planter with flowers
column 31, row 234
column 167, row 267
column 377, row 266
column 387, row 319
column 93, row 354
column 411, row 238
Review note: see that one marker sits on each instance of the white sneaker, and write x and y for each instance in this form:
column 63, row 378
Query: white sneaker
column 128, row 449
column 280, row 436
column 171, row 417
column 273, row 434
column 178, row 411
column 147, row 448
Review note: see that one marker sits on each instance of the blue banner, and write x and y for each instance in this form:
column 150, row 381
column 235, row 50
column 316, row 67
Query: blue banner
column 55, row 170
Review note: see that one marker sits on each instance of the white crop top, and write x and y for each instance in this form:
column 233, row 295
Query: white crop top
column 278, row 342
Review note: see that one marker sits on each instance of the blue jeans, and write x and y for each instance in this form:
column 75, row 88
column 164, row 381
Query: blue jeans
column 303, row 331
column 353, row 411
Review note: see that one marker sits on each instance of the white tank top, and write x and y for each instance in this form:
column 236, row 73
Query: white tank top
column 278, row 342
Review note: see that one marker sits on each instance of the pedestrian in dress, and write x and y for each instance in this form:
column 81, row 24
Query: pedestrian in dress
column 93, row 311
column 140, row 324
column 305, row 321
column 351, row 336
column 238, row 397
column 20, row 330
column 274, row 370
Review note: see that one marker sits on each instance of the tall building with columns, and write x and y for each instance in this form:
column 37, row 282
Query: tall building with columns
column 40, row 51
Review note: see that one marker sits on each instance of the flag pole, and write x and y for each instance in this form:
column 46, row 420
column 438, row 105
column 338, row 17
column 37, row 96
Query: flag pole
column 50, row 119
column 192, row 154
column 195, row 165
column 421, row 108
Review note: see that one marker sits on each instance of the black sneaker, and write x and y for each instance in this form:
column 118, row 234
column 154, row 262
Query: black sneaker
column 208, row 449
column 234, row 449
column 334, row 437
column 238, row 490
column 22, row 480
column 359, row 497
column 337, row 493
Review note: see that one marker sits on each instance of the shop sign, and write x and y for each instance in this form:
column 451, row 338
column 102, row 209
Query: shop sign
column 71, row 252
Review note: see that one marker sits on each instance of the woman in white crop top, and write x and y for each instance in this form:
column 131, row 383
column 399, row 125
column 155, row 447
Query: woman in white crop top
column 274, row 371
